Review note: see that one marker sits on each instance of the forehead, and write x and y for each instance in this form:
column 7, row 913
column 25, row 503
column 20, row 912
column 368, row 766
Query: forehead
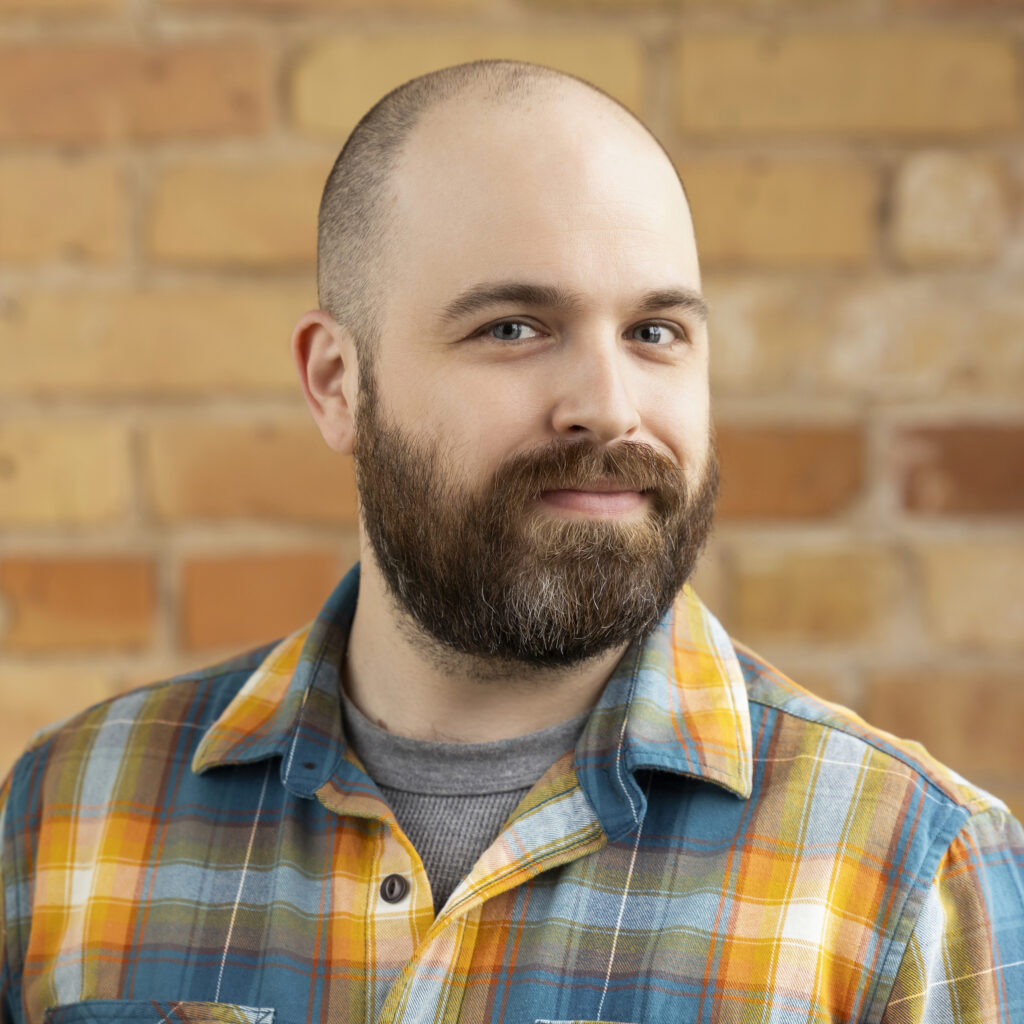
column 562, row 187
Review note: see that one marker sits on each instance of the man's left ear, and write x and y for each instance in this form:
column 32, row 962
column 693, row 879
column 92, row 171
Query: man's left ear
column 325, row 356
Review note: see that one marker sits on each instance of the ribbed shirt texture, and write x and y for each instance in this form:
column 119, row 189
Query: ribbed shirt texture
column 451, row 799
column 720, row 846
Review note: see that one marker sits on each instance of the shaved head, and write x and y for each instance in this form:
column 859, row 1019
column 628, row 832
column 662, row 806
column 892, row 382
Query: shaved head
column 356, row 215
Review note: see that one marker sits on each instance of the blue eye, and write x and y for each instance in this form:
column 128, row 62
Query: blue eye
column 511, row 330
column 653, row 334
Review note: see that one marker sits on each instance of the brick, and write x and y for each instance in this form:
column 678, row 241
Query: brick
column 34, row 696
column 811, row 596
column 252, row 214
column 246, row 600
column 53, row 209
column 967, row 468
column 788, row 472
column 974, row 594
column 969, row 718
column 333, row 6
column 967, row 6
column 109, row 91
column 780, row 213
column 912, row 337
column 78, row 603
column 340, row 77
column 270, row 470
column 63, row 472
column 196, row 340
column 948, row 208
column 945, row 82
column 60, row 8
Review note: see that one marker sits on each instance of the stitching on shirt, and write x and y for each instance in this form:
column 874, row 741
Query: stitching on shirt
column 241, row 881
column 295, row 734
column 622, row 906
column 622, row 734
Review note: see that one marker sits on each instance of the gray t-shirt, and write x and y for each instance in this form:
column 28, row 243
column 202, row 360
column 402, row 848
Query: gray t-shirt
column 451, row 799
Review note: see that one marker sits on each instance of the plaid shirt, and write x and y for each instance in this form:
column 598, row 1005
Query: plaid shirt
column 720, row 847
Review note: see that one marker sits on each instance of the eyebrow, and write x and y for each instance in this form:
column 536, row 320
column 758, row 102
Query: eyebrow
column 524, row 293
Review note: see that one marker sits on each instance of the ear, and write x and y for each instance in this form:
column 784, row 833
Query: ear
column 325, row 356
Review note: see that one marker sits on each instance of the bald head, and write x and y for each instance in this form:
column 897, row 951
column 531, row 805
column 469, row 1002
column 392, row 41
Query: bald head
column 414, row 125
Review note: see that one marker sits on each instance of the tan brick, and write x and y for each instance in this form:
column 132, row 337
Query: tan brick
column 340, row 77
column 961, row 5
column 249, row 213
column 34, row 696
column 100, row 91
column 973, row 468
column 66, row 471
column 788, row 472
column 776, row 212
column 57, row 603
column 231, row 339
column 274, row 470
column 53, row 209
column 413, row 6
column 974, row 593
column 60, row 8
column 949, row 208
column 811, row 596
column 895, row 338
column 247, row 600
column 968, row 718
column 948, row 82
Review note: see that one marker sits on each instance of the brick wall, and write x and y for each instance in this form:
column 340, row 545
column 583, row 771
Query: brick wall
column 856, row 169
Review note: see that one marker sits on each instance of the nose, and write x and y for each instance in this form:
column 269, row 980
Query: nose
column 593, row 394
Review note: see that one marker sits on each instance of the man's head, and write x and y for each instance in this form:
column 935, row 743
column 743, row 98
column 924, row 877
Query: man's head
column 515, row 323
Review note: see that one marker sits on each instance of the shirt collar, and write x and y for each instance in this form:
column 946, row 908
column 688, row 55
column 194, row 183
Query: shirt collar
column 676, row 702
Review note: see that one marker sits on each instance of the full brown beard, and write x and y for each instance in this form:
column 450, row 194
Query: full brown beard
column 491, row 575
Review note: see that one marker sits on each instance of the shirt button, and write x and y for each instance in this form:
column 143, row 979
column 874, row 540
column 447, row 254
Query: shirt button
column 394, row 888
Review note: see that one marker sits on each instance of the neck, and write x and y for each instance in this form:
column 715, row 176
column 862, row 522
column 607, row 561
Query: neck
column 413, row 686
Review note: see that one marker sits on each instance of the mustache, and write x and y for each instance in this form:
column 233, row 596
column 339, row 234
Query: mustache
column 629, row 466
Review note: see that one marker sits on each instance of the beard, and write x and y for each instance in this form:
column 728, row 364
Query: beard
column 490, row 575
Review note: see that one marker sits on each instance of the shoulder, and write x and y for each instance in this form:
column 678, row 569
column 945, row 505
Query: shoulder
column 174, row 711
column 804, row 724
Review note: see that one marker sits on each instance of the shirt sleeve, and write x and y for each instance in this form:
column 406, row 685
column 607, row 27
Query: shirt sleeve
column 964, row 963
column 6, row 1010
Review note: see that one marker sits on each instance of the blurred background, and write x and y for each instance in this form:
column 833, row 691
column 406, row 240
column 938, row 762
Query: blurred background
column 856, row 170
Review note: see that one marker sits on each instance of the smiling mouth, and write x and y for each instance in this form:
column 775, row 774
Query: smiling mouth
column 599, row 498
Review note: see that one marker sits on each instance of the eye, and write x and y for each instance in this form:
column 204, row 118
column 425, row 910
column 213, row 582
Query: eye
column 510, row 330
column 661, row 335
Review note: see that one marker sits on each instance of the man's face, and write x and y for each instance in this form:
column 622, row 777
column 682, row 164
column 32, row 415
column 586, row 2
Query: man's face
column 533, row 451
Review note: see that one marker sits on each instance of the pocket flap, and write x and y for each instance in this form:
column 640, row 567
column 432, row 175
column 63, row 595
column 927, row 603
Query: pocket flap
column 154, row 1011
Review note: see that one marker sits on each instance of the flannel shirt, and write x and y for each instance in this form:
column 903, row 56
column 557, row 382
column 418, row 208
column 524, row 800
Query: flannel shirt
column 720, row 847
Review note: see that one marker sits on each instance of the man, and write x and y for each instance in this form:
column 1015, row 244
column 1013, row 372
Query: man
column 515, row 771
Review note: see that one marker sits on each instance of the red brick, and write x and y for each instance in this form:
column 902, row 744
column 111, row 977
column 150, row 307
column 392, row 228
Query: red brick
column 78, row 603
column 969, row 718
column 970, row 468
column 272, row 470
column 246, row 600
column 789, row 472
column 100, row 91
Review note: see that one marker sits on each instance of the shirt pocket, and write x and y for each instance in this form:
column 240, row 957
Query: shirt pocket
column 153, row 1011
